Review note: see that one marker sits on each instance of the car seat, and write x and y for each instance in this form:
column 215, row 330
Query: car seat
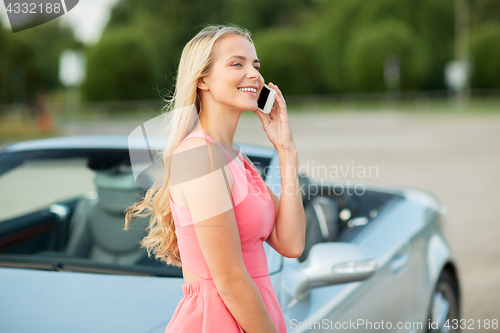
column 96, row 231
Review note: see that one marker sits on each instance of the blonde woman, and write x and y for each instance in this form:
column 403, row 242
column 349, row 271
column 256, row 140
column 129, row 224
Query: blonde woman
column 214, row 211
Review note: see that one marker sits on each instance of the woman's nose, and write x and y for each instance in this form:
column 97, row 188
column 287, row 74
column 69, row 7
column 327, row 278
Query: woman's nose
column 253, row 73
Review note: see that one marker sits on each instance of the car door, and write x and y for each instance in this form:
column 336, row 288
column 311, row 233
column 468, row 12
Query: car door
column 382, row 302
column 368, row 305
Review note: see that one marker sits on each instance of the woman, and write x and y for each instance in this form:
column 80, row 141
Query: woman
column 215, row 211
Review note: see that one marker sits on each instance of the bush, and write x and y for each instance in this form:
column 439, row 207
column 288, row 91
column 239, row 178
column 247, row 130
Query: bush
column 435, row 23
column 335, row 24
column 287, row 60
column 330, row 29
column 29, row 60
column 485, row 52
column 368, row 48
column 119, row 67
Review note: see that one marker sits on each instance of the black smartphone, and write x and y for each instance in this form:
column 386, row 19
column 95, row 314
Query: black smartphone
column 266, row 99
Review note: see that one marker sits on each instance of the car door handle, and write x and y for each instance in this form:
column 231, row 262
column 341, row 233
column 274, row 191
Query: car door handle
column 399, row 260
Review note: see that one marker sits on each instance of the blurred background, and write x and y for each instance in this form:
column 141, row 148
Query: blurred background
column 409, row 86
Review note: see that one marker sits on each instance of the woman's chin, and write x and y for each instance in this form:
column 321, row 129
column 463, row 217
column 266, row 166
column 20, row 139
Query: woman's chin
column 250, row 107
column 246, row 106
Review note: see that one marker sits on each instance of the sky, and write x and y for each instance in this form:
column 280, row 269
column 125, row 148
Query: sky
column 88, row 18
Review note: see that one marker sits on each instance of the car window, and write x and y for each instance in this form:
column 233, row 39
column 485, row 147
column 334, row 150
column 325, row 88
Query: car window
column 36, row 184
column 66, row 208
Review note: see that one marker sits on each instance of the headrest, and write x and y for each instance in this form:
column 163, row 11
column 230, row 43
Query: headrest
column 117, row 190
column 119, row 178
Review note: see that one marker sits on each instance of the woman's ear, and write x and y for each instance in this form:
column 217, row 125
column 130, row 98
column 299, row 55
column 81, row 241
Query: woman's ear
column 202, row 84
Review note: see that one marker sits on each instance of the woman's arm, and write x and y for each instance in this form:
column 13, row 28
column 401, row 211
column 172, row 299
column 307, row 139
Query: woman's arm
column 289, row 241
column 209, row 201
column 288, row 235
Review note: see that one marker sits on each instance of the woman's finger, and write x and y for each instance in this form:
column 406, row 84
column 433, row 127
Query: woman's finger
column 279, row 104
column 279, row 96
column 278, row 91
column 274, row 111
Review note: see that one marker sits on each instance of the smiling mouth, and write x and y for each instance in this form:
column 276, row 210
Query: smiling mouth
column 253, row 90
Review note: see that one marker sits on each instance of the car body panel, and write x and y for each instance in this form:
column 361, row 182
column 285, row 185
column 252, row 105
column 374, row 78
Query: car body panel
column 405, row 238
column 84, row 302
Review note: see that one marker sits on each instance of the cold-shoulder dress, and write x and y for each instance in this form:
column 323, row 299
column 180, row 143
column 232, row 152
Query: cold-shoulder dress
column 202, row 310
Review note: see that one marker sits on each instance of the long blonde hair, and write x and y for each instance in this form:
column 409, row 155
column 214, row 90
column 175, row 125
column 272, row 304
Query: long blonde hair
column 196, row 61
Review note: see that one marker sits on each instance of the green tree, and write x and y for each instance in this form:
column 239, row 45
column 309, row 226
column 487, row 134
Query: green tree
column 331, row 34
column 4, row 66
column 287, row 60
column 29, row 60
column 485, row 52
column 120, row 67
column 329, row 29
column 368, row 49
column 483, row 11
column 435, row 24
column 168, row 25
column 334, row 24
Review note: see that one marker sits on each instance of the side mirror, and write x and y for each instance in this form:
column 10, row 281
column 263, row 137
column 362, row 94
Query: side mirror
column 332, row 263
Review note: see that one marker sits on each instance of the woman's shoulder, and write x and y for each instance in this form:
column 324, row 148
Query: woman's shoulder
column 199, row 152
column 189, row 143
column 195, row 158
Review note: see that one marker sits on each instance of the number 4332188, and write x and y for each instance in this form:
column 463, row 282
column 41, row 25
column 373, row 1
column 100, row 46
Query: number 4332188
column 33, row 8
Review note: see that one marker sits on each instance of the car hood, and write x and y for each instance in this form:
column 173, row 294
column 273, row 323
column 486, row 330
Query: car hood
column 46, row 301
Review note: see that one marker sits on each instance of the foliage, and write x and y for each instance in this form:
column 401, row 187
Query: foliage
column 120, row 66
column 306, row 46
column 329, row 30
column 339, row 25
column 434, row 24
column 485, row 52
column 29, row 60
column 169, row 25
column 287, row 60
column 369, row 48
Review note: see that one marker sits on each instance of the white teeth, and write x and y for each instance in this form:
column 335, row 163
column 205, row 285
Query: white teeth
column 248, row 89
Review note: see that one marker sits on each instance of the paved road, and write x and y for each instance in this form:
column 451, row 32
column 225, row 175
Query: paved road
column 456, row 157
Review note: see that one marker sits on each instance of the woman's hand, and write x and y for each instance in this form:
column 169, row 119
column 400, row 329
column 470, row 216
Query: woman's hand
column 277, row 128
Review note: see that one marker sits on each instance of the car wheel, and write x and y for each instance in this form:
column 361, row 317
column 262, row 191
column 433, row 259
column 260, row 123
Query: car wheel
column 444, row 309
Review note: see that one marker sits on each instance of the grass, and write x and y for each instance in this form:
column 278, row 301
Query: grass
column 12, row 130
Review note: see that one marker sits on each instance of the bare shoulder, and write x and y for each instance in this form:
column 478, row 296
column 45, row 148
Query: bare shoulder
column 190, row 144
column 197, row 156
column 193, row 159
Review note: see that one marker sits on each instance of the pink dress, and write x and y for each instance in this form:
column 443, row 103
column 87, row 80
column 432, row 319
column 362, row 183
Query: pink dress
column 202, row 310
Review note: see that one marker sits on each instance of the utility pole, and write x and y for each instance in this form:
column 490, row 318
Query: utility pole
column 462, row 49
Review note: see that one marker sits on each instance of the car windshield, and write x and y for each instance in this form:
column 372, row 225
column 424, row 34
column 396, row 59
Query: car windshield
column 64, row 210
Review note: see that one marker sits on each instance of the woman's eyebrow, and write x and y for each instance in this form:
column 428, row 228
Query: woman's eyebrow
column 242, row 58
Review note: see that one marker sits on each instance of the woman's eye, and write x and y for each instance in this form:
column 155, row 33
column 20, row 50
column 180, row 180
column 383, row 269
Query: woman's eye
column 239, row 64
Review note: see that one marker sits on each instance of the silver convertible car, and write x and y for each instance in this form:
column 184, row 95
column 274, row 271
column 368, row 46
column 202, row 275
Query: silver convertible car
column 375, row 259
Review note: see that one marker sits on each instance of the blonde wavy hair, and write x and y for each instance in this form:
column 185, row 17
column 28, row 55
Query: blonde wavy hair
column 195, row 63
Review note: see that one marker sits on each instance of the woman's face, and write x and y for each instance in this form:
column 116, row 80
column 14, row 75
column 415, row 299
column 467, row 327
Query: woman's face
column 235, row 66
